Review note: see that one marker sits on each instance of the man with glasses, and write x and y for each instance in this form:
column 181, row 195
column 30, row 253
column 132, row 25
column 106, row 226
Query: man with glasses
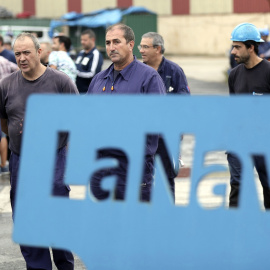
column 126, row 75
column 173, row 76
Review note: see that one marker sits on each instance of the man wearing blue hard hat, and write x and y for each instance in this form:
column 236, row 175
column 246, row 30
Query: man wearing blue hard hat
column 251, row 76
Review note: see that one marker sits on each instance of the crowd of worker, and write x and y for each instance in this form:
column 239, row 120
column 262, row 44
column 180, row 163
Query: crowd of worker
column 33, row 67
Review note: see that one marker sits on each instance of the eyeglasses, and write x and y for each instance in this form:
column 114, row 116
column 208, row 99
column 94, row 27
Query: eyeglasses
column 145, row 47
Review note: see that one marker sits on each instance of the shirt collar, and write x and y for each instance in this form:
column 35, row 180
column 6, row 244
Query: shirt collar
column 89, row 51
column 161, row 65
column 125, row 73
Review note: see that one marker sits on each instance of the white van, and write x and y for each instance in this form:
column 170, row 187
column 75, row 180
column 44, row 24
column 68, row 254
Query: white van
column 42, row 32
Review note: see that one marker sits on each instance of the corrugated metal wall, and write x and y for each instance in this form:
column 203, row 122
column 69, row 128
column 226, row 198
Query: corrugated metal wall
column 124, row 3
column 30, row 6
column 92, row 5
column 251, row 6
column 75, row 6
column 158, row 6
column 211, row 6
column 51, row 8
column 57, row 8
column 15, row 6
column 180, row 7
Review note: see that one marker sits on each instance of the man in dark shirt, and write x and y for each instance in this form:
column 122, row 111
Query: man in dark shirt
column 33, row 77
column 126, row 75
column 152, row 50
column 89, row 61
column 251, row 76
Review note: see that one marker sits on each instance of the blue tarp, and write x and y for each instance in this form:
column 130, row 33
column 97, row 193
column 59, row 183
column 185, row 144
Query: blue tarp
column 99, row 18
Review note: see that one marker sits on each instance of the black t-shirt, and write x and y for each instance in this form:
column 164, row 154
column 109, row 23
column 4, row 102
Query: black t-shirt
column 255, row 80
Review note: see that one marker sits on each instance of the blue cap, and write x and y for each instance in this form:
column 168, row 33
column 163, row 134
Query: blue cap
column 246, row 31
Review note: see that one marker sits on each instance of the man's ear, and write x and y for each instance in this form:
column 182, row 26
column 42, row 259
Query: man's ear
column 159, row 49
column 62, row 45
column 251, row 48
column 131, row 44
column 39, row 51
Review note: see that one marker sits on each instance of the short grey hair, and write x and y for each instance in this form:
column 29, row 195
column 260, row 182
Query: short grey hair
column 128, row 32
column 157, row 40
column 23, row 35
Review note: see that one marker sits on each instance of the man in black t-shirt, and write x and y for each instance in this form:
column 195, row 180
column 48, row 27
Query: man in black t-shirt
column 251, row 76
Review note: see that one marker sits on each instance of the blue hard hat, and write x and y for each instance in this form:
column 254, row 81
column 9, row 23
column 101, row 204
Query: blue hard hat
column 264, row 31
column 246, row 31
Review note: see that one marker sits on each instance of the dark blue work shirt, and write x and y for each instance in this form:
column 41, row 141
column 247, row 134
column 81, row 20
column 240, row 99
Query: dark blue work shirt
column 136, row 78
column 173, row 77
